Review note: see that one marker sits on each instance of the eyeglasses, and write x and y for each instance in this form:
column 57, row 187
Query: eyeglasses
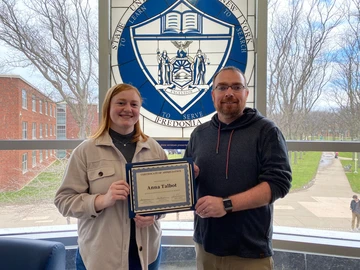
column 234, row 87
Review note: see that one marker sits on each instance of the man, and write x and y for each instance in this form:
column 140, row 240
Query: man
column 243, row 169
column 355, row 209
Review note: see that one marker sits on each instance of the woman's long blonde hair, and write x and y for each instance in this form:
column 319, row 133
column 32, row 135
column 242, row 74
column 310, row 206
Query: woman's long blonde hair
column 105, row 118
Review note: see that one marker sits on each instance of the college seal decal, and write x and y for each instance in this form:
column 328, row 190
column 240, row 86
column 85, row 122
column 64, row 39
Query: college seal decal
column 170, row 51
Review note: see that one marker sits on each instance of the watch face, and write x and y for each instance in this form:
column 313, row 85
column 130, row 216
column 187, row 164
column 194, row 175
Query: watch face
column 227, row 204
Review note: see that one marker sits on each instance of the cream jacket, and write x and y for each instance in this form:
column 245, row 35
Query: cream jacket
column 104, row 237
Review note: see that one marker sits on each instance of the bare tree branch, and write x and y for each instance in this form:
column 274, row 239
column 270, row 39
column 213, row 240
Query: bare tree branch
column 298, row 59
column 59, row 38
column 346, row 84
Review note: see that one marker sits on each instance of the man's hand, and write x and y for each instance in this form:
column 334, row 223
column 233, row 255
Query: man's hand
column 210, row 206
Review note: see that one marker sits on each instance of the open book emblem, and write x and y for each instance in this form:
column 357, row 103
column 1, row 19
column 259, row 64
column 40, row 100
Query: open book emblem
column 179, row 51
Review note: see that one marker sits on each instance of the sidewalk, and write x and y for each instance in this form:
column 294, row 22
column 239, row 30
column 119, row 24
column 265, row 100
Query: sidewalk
column 324, row 205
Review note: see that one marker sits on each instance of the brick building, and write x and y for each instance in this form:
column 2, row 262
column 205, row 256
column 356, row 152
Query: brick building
column 25, row 114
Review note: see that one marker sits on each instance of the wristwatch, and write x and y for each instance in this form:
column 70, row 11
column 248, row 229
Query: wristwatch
column 227, row 205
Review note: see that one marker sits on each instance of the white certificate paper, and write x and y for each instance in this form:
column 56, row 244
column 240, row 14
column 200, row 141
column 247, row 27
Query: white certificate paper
column 160, row 187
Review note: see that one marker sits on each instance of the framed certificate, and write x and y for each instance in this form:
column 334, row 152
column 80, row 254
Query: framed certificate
column 160, row 187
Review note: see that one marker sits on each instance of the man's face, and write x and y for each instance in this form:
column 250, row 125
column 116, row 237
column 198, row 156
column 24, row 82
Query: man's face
column 229, row 103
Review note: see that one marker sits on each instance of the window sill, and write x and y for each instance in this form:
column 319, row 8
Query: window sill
column 301, row 240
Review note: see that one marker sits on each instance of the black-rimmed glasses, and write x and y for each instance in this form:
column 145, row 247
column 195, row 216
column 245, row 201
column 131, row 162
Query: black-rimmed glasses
column 234, row 87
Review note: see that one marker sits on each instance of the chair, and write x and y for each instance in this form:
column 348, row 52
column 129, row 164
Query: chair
column 31, row 254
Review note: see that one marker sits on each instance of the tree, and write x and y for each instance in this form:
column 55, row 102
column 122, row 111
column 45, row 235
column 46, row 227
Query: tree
column 345, row 90
column 298, row 59
column 58, row 38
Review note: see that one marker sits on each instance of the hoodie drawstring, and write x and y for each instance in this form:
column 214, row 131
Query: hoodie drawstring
column 228, row 149
column 228, row 155
column 218, row 140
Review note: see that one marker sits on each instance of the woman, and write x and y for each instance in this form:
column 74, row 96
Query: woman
column 94, row 190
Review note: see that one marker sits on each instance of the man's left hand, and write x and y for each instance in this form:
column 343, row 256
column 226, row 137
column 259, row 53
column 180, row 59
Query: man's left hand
column 210, row 206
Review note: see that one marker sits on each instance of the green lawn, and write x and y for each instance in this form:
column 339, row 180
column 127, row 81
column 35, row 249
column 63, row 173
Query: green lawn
column 354, row 178
column 41, row 189
column 305, row 168
column 175, row 156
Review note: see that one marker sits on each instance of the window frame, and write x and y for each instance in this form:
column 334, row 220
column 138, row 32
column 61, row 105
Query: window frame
column 33, row 161
column 24, row 130
column 24, row 163
column 40, row 106
column 33, row 103
column 24, row 99
column 33, row 130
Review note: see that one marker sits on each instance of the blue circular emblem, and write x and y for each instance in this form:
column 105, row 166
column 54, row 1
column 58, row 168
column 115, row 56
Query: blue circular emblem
column 170, row 51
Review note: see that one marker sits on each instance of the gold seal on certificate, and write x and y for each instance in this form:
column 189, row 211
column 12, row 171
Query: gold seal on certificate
column 160, row 187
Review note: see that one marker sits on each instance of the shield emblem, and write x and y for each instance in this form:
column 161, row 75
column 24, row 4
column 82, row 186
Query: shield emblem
column 179, row 51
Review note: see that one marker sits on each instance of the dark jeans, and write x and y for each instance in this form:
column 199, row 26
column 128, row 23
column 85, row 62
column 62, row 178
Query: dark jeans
column 133, row 264
column 79, row 262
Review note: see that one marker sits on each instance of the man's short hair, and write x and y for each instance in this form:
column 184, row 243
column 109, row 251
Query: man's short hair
column 232, row 68
column 355, row 197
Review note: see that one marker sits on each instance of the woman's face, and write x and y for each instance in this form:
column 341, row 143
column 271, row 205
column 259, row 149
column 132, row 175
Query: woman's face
column 124, row 111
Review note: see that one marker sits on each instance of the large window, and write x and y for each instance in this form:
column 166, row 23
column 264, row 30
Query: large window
column 311, row 89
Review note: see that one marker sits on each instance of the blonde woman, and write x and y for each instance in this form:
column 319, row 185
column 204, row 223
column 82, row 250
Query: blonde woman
column 94, row 189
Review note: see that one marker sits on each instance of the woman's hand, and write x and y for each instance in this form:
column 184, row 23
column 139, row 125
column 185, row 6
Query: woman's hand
column 144, row 221
column 118, row 190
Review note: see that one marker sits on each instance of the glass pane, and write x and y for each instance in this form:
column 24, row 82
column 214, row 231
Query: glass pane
column 52, row 95
column 27, row 195
column 322, row 189
column 313, row 90
column 323, row 186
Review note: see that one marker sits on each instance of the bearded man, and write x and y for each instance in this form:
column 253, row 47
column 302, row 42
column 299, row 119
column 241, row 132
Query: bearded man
column 243, row 168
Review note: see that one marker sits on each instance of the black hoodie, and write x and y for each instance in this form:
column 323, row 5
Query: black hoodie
column 234, row 158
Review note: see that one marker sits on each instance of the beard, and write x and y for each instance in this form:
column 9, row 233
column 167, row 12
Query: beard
column 231, row 110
